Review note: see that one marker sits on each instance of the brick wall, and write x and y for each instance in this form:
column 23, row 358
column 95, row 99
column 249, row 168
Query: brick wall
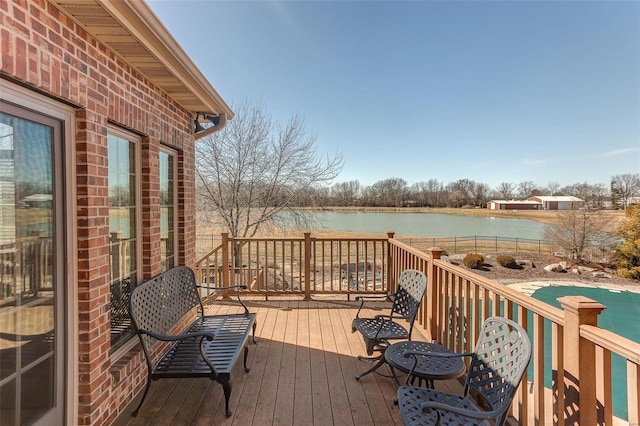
column 45, row 50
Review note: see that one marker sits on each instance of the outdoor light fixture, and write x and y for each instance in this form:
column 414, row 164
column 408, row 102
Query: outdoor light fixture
column 215, row 120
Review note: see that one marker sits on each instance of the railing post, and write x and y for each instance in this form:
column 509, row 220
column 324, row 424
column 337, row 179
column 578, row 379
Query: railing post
column 431, row 294
column 226, row 266
column 390, row 266
column 307, row 266
column 579, row 360
column 116, row 253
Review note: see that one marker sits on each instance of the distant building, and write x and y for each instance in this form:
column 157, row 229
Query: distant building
column 560, row 202
column 513, row 205
column 43, row 201
column 540, row 202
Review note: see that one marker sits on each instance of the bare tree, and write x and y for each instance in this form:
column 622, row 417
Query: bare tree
column 505, row 190
column 599, row 194
column 118, row 196
column 435, row 192
column 577, row 230
column 624, row 187
column 480, row 194
column 255, row 168
column 387, row 193
column 420, row 193
column 553, row 187
column 346, row 193
column 526, row 189
column 456, row 198
column 461, row 192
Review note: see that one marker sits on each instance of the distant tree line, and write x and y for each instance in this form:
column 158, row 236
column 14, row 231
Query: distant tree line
column 395, row 192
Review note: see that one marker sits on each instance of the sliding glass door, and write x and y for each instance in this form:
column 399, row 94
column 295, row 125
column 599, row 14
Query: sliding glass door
column 32, row 367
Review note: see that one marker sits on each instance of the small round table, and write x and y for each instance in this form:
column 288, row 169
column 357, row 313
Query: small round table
column 429, row 368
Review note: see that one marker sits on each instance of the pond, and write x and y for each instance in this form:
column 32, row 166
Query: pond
column 428, row 224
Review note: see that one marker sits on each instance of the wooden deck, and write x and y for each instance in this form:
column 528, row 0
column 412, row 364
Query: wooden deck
column 302, row 373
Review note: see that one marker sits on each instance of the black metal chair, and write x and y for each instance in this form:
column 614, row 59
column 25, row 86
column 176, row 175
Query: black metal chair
column 501, row 357
column 379, row 330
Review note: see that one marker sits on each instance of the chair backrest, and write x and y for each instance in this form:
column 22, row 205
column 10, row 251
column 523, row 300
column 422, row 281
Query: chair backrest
column 409, row 293
column 501, row 357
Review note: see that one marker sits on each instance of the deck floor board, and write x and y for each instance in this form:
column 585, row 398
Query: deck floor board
column 302, row 372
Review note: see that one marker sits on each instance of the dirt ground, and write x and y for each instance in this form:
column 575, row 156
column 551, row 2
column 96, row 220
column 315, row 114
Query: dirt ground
column 532, row 269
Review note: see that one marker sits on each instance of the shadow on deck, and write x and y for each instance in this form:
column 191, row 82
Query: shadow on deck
column 302, row 373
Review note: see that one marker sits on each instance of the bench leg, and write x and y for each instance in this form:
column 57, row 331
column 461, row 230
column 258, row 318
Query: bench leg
column 254, row 332
column 226, row 386
column 246, row 353
column 144, row 395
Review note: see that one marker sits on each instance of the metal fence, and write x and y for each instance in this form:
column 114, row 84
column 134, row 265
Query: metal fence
column 451, row 245
column 461, row 245
column 479, row 243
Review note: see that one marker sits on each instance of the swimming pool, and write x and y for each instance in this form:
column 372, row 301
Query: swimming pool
column 622, row 316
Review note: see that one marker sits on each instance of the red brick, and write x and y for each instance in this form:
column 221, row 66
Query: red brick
column 45, row 49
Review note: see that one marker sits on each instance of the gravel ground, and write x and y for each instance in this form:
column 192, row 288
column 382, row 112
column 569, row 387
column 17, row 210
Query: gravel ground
column 532, row 269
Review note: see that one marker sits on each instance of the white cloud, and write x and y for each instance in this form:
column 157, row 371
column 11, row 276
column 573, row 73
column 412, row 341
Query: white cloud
column 618, row 152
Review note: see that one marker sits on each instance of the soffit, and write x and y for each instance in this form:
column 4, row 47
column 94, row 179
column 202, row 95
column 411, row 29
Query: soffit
column 134, row 32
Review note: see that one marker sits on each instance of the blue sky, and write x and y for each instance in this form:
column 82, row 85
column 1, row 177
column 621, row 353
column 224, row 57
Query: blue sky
column 492, row 91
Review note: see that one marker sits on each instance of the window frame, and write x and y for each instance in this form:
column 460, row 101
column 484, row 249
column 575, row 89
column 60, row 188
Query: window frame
column 173, row 154
column 131, row 137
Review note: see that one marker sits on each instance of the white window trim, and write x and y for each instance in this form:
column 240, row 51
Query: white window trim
column 41, row 104
column 137, row 140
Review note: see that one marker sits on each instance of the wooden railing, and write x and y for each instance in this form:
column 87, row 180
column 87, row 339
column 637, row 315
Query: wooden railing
column 308, row 265
column 26, row 267
column 570, row 377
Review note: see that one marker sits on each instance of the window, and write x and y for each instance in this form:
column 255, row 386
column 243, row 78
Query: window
column 123, row 231
column 167, row 209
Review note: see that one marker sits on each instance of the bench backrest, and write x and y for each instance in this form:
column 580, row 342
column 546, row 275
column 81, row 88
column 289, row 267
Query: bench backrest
column 161, row 302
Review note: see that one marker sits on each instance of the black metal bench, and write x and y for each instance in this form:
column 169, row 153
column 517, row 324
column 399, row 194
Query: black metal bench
column 178, row 340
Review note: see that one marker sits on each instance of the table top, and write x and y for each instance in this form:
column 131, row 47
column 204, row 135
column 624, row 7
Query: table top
column 429, row 367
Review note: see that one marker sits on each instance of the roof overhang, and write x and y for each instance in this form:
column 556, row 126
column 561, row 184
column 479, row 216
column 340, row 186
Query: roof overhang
column 135, row 34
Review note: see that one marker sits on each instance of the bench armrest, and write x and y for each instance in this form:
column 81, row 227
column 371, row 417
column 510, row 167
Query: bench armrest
column 175, row 337
column 212, row 287
column 231, row 287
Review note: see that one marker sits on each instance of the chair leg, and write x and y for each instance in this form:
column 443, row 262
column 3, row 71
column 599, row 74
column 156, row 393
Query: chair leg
column 144, row 395
column 381, row 361
column 369, row 358
column 394, row 376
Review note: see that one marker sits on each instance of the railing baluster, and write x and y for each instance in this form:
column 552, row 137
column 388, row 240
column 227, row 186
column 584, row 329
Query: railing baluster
column 633, row 385
column 604, row 389
column 523, row 390
column 557, row 373
column 538, row 368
